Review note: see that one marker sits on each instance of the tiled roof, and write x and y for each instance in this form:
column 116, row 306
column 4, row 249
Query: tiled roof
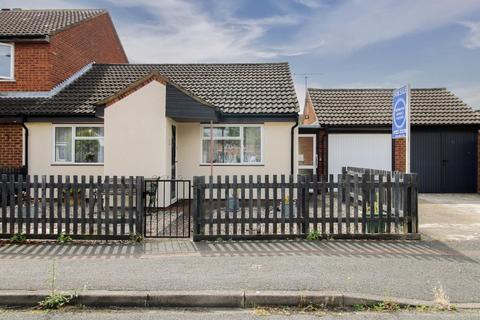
column 259, row 88
column 31, row 23
column 347, row 107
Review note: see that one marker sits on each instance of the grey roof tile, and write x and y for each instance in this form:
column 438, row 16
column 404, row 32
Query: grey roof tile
column 357, row 107
column 233, row 88
column 30, row 23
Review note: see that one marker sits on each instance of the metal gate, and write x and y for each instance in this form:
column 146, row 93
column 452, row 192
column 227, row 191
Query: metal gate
column 167, row 208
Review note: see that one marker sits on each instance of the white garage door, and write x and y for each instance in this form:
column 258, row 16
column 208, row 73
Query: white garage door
column 365, row 150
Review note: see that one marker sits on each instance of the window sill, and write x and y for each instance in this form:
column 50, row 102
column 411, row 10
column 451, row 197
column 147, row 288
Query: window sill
column 7, row 80
column 76, row 164
column 233, row 164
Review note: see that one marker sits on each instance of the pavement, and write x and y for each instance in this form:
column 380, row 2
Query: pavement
column 231, row 314
column 389, row 269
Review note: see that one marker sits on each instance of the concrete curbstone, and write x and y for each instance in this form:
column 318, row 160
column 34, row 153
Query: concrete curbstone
column 21, row 298
column 112, row 298
column 292, row 298
column 213, row 299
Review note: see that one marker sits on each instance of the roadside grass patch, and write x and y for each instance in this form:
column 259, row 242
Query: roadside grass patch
column 263, row 311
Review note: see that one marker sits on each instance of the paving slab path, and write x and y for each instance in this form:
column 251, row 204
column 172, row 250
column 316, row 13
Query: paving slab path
column 403, row 269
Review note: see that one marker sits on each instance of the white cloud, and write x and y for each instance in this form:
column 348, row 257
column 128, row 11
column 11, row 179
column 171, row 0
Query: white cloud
column 312, row 3
column 472, row 41
column 356, row 24
column 181, row 31
column 468, row 92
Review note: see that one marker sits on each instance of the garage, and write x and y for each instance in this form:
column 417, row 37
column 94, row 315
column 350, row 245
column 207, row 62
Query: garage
column 365, row 150
column 445, row 159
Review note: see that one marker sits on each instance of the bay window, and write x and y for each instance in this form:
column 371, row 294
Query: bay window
column 78, row 144
column 232, row 144
column 6, row 61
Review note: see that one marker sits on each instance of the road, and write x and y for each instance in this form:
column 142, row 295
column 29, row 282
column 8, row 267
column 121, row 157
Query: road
column 228, row 314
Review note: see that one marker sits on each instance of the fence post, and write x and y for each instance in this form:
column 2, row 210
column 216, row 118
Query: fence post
column 198, row 196
column 140, row 205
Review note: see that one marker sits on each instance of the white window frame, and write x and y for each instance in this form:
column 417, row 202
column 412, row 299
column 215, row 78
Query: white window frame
column 74, row 138
column 240, row 138
column 12, row 62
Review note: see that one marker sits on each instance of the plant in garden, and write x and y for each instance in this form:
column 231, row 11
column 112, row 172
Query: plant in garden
column 64, row 238
column 55, row 300
column 313, row 235
column 19, row 238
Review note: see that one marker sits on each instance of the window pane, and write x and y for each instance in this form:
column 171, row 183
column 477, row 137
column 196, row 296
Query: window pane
column 89, row 132
column 219, row 132
column 5, row 61
column 63, row 144
column 90, row 151
column 224, row 151
column 252, row 145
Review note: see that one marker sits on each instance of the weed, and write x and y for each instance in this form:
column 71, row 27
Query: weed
column 219, row 239
column 313, row 235
column 359, row 307
column 55, row 300
column 64, row 238
column 442, row 300
column 136, row 238
column 19, row 238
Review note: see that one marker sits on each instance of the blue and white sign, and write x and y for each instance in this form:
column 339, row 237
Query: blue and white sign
column 400, row 114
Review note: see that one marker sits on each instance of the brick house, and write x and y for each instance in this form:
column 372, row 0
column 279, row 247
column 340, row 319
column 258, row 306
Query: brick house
column 352, row 127
column 41, row 51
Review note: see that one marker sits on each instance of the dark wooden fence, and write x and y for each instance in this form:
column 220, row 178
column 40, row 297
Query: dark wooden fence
column 82, row 207
column 353, row 205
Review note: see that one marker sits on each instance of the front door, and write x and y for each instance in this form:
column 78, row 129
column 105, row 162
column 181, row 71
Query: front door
column 307, row 154
column 173, row 173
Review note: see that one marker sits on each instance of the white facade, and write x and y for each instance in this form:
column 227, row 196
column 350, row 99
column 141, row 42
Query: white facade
column 365, row 150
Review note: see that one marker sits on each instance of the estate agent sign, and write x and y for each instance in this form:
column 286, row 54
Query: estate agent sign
column 401, row 119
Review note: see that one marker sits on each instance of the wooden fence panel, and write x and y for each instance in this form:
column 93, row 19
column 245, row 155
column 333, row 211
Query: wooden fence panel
column 42, row 208
column 358, row 205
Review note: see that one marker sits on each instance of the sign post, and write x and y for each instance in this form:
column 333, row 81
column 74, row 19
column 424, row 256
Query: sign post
column 401, row 119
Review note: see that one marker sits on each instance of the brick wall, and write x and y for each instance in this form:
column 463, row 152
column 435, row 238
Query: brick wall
column 322, row 147
column 32, row 68
column 399, row 163
column 94, row 40
column 41, row 66
column 308, row 112
column 11, row 147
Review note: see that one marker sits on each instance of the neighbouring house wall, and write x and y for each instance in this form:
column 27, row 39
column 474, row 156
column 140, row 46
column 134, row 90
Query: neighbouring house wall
column 32, row 68
column 11, row 145
column 309, row 115
column 39, row 66
column 40, row 157
column 136, row 133
column 276, row 144
column 94, row 40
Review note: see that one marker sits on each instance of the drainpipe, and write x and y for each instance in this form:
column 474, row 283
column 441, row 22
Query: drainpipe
column 26, row 143
column 292, row 149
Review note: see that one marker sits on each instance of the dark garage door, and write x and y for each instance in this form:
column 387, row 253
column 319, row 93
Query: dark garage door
column 445, row 160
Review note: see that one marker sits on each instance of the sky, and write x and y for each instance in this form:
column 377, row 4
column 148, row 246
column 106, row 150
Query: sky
column 335, row 43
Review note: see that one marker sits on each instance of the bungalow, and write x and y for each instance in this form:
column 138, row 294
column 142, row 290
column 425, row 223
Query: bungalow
column 163, row 120
column 352, row 127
